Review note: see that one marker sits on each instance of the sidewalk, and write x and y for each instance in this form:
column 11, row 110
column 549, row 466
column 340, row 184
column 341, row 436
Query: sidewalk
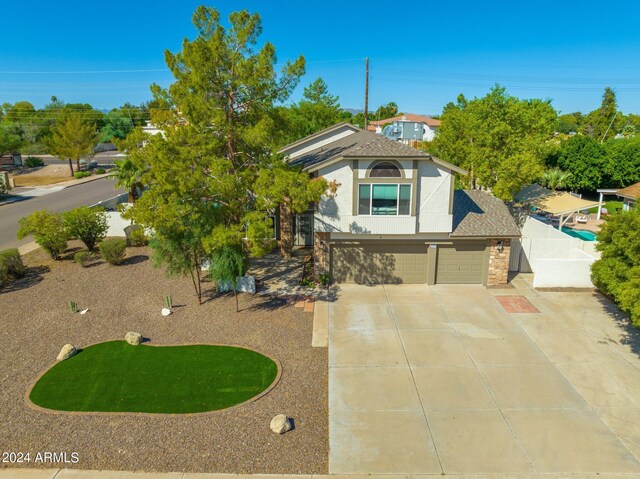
column 24, row 473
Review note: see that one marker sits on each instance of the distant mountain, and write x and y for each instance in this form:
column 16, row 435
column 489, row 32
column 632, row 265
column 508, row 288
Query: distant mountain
column 354, row 111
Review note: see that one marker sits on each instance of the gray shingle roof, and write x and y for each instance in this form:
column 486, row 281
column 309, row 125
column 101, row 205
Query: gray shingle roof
column 477, row 213
column 359, row 144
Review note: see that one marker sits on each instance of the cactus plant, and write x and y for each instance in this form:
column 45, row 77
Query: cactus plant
column 73, row 306
column 168, row 301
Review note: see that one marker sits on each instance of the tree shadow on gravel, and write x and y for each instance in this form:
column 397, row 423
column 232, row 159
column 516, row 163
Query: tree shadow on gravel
column 34, row 276
column 139, row 258
column 268, row 303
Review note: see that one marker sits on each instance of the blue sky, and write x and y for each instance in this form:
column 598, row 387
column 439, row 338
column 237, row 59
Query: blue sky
column 422, row 54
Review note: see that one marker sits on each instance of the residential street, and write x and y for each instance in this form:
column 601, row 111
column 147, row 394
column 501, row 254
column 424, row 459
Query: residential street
column 85, row 194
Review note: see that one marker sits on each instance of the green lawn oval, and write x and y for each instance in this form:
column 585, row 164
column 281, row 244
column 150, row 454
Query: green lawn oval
column 117, row 377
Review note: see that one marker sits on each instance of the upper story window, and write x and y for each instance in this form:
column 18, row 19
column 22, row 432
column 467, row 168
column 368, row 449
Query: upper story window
column 385, row 169
column 388, row 199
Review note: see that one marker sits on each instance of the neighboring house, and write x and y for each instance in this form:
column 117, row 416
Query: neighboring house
column 395, row 217
column 429, row 126
column 629, row 196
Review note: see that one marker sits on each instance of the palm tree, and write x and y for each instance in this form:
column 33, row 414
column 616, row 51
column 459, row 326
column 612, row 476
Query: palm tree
column 129, row 176
column 555, row 178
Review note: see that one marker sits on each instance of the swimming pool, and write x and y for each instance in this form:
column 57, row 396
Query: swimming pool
column 580, row 234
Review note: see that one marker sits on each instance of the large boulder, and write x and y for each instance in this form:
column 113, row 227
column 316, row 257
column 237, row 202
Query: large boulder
column 133, row 338
column 66, row 352
column 246, row 284
column 281, row 424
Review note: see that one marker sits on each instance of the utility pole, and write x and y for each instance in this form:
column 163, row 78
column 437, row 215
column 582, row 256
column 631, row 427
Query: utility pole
column 366, row 94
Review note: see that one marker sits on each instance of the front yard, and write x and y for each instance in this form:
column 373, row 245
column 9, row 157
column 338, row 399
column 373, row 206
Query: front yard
column 36, row 322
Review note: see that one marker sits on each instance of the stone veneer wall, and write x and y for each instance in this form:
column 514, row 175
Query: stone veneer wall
column 498, row 263
column 286, row 229
column 320, row 253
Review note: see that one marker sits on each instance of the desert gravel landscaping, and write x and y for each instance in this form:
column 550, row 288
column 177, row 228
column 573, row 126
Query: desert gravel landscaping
column 35, row 322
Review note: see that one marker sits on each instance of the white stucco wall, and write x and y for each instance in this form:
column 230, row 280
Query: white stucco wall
column 333, row 212
column 116, row 224
column 571, row 272
column 556, row 259
column 434, row 189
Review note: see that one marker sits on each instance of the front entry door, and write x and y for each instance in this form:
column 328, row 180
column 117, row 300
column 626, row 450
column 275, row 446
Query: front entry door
column 304, row 230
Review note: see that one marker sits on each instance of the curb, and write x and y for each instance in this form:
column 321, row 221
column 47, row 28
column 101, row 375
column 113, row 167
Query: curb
column 85, row 180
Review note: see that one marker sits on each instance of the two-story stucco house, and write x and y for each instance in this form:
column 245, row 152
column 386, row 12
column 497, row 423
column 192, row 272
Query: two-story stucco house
column 395, row 217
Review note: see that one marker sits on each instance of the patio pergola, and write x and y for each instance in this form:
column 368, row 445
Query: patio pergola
column 561, row 204
column 604, row 191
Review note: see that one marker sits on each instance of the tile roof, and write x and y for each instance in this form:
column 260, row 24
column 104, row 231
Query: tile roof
column 632, row 191
column 409, row 117
column 360, row 144
column 479, row 214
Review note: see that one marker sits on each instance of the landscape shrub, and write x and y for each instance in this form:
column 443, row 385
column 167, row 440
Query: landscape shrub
column 33, row 161
column 113, row 250
column 87, row 224
column 48, row 230
column 11, row 266
column 136, row 236
column 617, row 272
column 81, row 174
column 83, row 258
column 100, row 171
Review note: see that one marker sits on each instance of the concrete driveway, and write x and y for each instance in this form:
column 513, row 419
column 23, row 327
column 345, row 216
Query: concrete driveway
column 443, row 379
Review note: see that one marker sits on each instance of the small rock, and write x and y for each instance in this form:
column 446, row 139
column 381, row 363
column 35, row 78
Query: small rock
column 166, row 311
column 281, row 424
column 133, row 338
column 66, row 352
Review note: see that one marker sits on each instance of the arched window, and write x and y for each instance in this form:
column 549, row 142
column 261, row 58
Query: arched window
column 385, row 169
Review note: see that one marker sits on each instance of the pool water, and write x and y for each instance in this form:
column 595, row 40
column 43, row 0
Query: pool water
column 580, row 234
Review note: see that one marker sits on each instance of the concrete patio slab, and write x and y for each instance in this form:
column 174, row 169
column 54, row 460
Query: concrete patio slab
column 434, row 348
column 506, row 347
column 606, row 384
column 491, row 317
column 365, row 348
column 359, row 294
column 546, row 322
column 625, row 422
column 452, row 387
column 381, row 442
column 530, row 386
column 409, row 294
column 573, row 346
column 476, row 441
column 570, row 440
column 413, row 317
column 372, row 389
column 361, row 316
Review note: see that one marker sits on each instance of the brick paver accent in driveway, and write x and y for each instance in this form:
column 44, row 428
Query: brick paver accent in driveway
column 443, row 379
